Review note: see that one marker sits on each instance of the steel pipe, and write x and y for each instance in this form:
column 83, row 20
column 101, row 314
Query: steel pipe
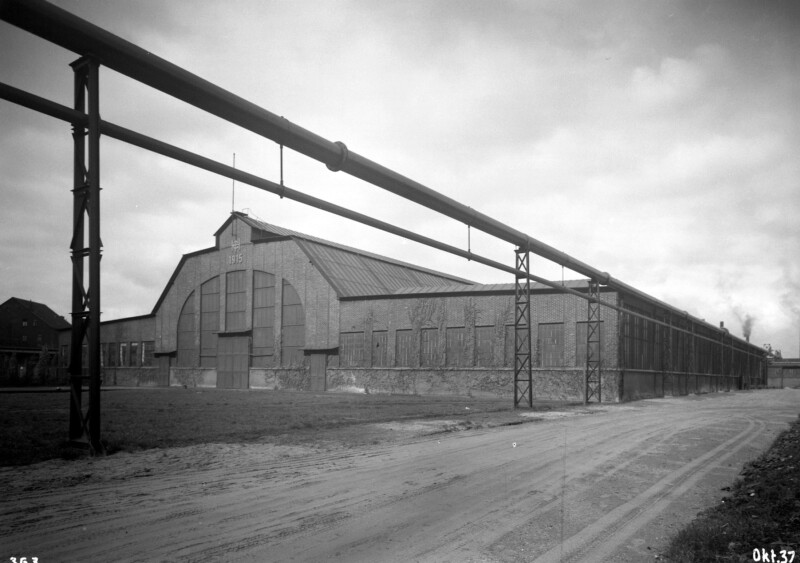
column 113, row 131
column 73, row 33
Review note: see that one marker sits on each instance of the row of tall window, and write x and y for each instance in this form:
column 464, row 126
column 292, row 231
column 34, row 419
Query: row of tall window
column 491, row 347
column 118, row 354
column 654, row 347
column 262, row 336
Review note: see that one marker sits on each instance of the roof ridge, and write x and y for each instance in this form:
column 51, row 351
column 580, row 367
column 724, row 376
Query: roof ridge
column 262, row 225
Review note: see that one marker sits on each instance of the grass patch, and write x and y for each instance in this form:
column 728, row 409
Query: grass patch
column 761, row 512
column 34, row 426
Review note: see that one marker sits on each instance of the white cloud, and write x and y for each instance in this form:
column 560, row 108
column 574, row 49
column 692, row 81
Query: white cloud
column 658, row 144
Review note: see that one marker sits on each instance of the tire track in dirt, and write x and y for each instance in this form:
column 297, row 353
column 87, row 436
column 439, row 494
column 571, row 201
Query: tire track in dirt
column 450, row 529
column 599, row 540
column 458, row 496
column 553, row 480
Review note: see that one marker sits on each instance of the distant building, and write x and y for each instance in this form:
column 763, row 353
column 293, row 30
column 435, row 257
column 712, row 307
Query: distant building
column 784, row 372
column 29, row 343
column 270, row 308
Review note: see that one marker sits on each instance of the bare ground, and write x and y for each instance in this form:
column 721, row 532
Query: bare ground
column 605, row 483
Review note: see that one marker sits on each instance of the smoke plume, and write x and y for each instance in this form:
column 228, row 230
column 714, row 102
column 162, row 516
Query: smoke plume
column 747, row 321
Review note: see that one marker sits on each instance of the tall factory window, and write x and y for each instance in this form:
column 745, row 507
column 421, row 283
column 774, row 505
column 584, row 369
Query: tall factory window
column 380, row 352
column 209, row 322
column 187, row 350
column 705, row 354
column 678, row 355
column 581, row 330
column 293, row 330
column 103, row 354
column 484, row 346
column 235, row 300
column 429, row 353
column 551, row 344
column 112, row 354
column 640, row 343
column 455, row 352
column 654, row 341
column 148, row 353
column 263, row 318
column 404, row 348
column 134, row 357
column 351, row 349
column 123, row 354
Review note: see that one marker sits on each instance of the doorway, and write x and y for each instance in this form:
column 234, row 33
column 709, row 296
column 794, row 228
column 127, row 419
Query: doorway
column 233, row 362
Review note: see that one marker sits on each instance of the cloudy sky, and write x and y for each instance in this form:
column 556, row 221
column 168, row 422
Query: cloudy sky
column 655, row 140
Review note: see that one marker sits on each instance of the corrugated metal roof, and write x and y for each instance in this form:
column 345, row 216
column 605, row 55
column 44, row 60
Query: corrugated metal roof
column 357, row 273
column 353, row 272
column 484, row 288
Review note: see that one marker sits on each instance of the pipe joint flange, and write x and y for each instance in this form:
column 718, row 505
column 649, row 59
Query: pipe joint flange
column 339, row 164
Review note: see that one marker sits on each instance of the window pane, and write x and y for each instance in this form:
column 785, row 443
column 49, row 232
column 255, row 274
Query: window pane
column 455, row 353
column 484, row 346
column 186, row 342
column 404, row 348
column 551, row 344
column 235, row 300
column 209, row 321
column 430, row 347
column 351, row 349
column 380, row 355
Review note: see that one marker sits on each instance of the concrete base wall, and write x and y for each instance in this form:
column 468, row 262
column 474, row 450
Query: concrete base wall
column 192, row 377
column 560, row 385
column 648, row 385
column 781, row 382
column 297, row 379
column 134, row 377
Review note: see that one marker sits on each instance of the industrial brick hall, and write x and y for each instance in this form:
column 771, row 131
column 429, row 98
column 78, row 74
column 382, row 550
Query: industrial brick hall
column 270, row 308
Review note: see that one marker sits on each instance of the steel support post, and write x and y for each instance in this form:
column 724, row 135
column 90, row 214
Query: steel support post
column 623, row 322
column 523, row 366
column 691, row 356
column 666, row 351
column 593, row 349
column 84, row 427
column 721, row 359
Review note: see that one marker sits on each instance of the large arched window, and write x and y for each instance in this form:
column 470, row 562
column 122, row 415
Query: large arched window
column 263, row 318
column 293, row 330
column 187, row 348
column 209, row 322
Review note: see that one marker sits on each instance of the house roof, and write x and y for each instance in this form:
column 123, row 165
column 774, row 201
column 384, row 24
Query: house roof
column 42, row 312
column 353, row 272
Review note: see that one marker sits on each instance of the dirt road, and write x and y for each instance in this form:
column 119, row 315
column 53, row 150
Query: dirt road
column 610, row 482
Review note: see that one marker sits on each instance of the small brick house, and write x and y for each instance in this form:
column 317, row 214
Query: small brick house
column 29, row 338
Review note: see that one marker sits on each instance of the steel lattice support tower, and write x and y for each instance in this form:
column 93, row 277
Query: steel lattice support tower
column 593, row 349
column 84, row 427
column 523, row 366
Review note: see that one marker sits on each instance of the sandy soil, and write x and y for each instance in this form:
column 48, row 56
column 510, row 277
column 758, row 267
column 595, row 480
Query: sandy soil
column 605, row 483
